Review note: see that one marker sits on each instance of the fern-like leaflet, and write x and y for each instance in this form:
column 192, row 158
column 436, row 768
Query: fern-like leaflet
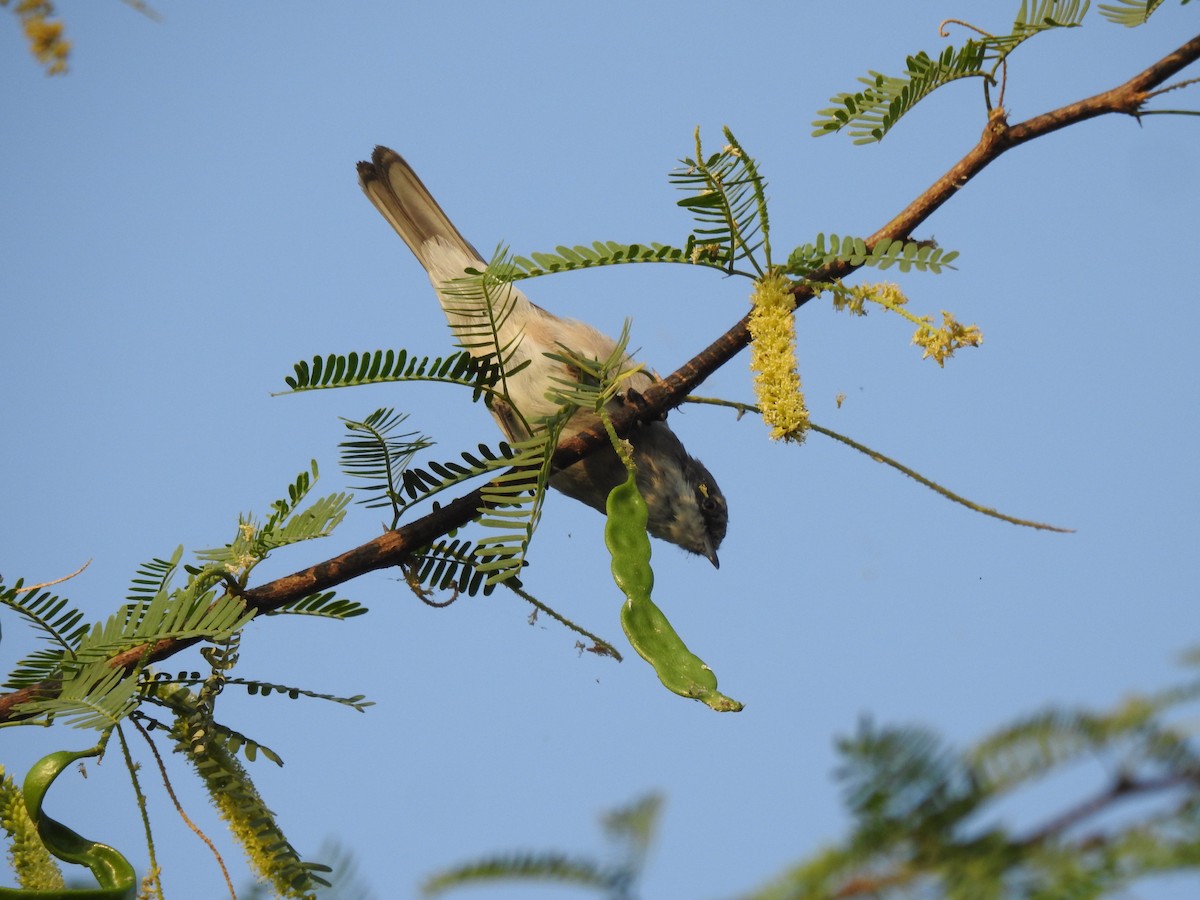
column 868, row 114
column 922, row 256
column 95, row 696
column 1130, row 13
column 727, row 197
column 631, row 829
column 287, row 524
column 159, row 687
column 453, row 565
column 1033, row 19
column 376, row 455
column 57, row 622
column 187, row 613
column 512, row 501
column 390, row 366
column 325, row 605
column 600, row 253
column 156, row 611
column 479, row 312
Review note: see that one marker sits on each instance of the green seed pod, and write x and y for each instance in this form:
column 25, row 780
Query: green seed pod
column 647, row 628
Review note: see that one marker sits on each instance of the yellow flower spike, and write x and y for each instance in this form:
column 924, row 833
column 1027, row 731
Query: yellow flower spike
column 773, row 358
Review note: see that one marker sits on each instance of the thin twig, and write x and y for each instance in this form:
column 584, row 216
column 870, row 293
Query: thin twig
column 46, row 584
column 154, row 873
column 743, row 408
column 603, row 647
column 1124, row 787
column 179, row 808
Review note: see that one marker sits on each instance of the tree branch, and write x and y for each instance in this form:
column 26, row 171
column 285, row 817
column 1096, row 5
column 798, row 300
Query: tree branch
column 394, row 547
column 1124, row 787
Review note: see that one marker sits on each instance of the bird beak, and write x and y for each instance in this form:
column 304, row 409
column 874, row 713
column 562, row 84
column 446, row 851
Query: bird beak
column 711, row 555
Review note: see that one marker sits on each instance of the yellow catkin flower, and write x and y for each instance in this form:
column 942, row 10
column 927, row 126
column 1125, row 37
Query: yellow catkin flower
column 773, row 359
column 887, row 293
column 46, row 40
column 853, row 298
column 940, row 343
column 847, row 299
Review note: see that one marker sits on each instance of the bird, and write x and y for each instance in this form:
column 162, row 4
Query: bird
column 684, row 504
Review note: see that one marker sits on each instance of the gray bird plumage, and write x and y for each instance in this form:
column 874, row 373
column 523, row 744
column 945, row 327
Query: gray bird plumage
column 684, row 503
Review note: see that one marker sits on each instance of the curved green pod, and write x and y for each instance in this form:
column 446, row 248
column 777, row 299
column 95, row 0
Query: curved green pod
column 114, row 875
column 647, row 628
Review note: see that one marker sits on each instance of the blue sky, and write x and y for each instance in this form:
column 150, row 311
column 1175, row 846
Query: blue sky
column 181, row 223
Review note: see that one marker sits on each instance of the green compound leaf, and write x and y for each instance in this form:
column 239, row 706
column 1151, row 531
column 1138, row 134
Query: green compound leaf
column 866, row 115
column 923, row 256
column 1130, row 13
column 647, row 628
column 336, row 371
column 600, row 253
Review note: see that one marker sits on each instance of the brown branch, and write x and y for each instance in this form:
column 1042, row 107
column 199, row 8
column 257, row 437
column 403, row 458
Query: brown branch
column 997, row 138
column 394, row 547
column 1124, row 787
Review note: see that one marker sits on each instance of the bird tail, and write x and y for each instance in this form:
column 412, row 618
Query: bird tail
column 396, row 191
column 391, row 184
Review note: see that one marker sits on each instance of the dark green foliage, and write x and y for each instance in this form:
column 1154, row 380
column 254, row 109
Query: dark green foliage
column 326, row 604
column 420, row 484
column 58, row 623
column 265, row 689
column 36, row 667
column 454, row 565
column 335, row 371
column 380, row 458
column 160, row 689
column 46, row 612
